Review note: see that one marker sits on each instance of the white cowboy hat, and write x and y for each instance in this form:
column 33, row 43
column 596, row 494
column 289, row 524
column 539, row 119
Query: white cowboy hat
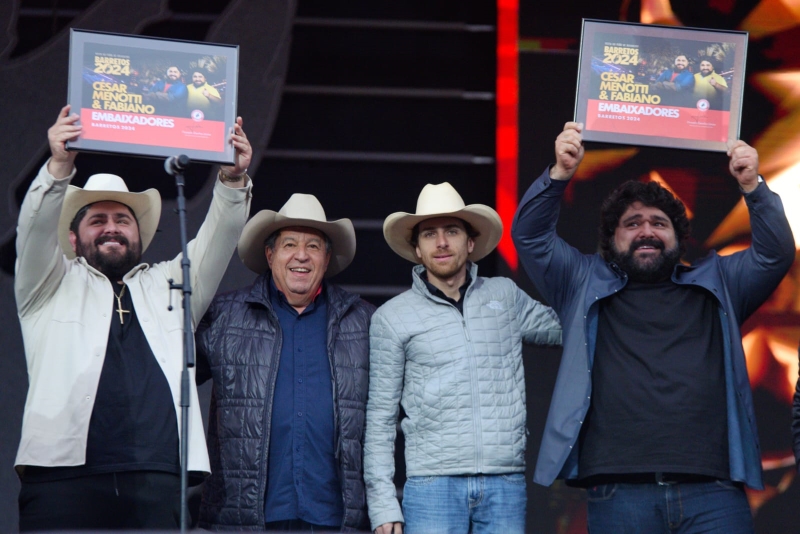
column 146, row 206
column 443, row 200
column 299, row 210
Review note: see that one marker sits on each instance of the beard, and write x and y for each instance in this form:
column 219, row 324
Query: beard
column 649, row 270
column 443, row 272
column 113, row 266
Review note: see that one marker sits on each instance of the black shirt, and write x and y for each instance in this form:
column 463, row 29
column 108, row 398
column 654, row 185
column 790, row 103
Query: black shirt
column 133, row 426
column 658, row 382
column 436, row 292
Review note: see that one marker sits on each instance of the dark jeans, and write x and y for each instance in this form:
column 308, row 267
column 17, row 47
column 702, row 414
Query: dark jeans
column 136, row 499
column 296, row 525
column 683, row 508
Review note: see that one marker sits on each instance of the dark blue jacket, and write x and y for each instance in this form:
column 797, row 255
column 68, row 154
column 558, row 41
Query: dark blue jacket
column 683, row 82
column 239, row 346
column 573, row 284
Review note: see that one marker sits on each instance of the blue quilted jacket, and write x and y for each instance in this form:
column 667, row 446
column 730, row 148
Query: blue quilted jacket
column 238, row 345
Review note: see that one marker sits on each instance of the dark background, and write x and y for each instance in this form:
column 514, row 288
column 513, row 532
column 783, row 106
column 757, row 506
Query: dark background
column 362, row 103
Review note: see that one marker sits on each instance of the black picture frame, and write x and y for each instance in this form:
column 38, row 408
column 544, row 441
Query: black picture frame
column 125, row 90
column 623, row 94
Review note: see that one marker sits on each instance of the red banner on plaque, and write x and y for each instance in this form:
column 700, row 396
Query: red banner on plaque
column 174, row 132
column 643, row 119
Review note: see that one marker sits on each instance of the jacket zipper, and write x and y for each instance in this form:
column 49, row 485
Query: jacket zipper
column 268, row 414
column 476, row 405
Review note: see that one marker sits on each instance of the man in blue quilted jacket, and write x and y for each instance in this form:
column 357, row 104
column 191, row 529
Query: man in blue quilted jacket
column 449, row 350
column 289, row 357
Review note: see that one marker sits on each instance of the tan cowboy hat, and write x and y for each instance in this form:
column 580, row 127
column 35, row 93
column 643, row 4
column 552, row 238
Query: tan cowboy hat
column 443, row 200
column 299, row 210
column 146, row 206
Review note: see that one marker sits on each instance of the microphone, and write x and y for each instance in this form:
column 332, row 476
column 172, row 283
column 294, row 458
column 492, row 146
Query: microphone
column 176, row 164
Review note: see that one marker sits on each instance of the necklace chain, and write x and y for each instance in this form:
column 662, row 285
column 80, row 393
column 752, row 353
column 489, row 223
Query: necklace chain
column 119, row 309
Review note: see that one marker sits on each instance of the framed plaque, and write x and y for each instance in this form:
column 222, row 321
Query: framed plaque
column 666, row 86
column 153, row 97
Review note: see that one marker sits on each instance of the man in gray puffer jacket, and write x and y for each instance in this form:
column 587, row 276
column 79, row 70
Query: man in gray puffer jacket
column 450, row 351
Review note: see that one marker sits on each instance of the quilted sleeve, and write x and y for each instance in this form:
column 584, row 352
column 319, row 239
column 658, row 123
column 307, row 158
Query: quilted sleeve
column 539, row 323
column 386, row 369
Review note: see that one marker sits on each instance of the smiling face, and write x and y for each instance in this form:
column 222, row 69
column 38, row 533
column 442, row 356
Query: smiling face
column 174, row 74
column 706, row 67
column 108, row 238
column 298, row 261
column 198, row 79
column 644, row 244
column 443, row 247
column 681, row 63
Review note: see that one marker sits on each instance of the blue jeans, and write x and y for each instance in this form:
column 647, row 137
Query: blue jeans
column 461, row 504
column 685, row 508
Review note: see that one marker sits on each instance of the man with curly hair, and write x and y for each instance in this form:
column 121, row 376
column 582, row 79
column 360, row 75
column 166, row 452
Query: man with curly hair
column 652, row 411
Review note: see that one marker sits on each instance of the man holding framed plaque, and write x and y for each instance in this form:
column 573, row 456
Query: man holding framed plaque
column 652, row 410
column 100, row 442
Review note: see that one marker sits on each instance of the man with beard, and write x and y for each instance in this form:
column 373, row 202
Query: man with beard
column 201, row 95
column 676, row 84
column 169, row 94
column 652, row 410
column 99, row 446
column 450, row 351
column 709, row 85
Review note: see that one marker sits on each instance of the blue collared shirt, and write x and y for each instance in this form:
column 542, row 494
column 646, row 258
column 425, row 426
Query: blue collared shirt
column 303, row 481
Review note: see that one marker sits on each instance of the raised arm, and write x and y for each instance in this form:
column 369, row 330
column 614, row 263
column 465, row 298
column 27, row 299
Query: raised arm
column 754, row 273
column 551, row 263
column 40, row 262
column 211, row 250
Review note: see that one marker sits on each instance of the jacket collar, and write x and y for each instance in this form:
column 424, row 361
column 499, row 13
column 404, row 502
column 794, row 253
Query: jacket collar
column 338, row 300
column 418, row 284
column 130, row 274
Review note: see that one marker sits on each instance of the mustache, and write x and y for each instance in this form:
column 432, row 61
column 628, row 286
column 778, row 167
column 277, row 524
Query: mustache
column 122, row 240
column 647, row 242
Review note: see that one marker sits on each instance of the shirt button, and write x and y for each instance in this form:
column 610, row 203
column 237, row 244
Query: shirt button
column 300, row 380
column 299, row 414
column 88, row 397
column 299, row 349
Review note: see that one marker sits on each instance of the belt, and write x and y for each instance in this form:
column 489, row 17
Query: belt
column 662, row 479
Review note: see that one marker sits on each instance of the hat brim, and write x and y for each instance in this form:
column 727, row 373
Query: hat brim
column 265, row 222
column 146, row 206
column 398, row 229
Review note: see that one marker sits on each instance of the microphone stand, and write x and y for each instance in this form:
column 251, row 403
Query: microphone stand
column 175, row 166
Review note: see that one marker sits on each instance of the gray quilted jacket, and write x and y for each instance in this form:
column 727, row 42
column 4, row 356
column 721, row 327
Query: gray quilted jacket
column 460, row 381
